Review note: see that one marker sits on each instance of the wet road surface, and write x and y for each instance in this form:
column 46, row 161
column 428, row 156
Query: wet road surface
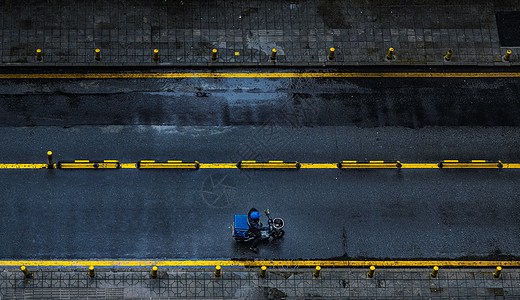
column 329, row 213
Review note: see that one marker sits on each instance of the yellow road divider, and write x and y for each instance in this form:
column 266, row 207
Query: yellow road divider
column 246, row 164
column 171, row 164
column 23, row 166
column 86, row 164
column 352, row 164
column 263, row 75
column 278, row 164
column 473, row 164
column 260, row 263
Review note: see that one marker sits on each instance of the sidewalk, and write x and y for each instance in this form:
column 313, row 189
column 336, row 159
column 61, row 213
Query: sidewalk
column 245, row 31
column 246, row 283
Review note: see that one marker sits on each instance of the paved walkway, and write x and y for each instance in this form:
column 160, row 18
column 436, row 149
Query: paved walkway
column 245, row 31
column 246, row 283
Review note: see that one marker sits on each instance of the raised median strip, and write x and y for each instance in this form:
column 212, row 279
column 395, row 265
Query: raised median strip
column 86, row 164
column 259, row 263
column 262, row 75
column 251, row 164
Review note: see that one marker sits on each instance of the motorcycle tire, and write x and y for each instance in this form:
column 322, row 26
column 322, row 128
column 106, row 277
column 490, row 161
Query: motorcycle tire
column 280, row 234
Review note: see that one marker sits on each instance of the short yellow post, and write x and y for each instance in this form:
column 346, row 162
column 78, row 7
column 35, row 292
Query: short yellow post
column 38, row 54
column 498, row 272
column 218, row 271
column 91, row 272
column 434, row 272
column 154, row 271
column 508, row 55
column 448, row 55
column 317, row 271
column 273, row 54
column 214, row 54
column 50, row 165
column 390, row 54
column 332, row 53
column 371, row 272
column 263, row 271
column 97, row 54
column 155, row 54
column 26, row 272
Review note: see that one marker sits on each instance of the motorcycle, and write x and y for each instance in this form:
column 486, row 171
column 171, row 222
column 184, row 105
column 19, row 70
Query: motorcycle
column 273, row 229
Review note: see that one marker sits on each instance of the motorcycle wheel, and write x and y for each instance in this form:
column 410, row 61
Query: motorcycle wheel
column 280, row 234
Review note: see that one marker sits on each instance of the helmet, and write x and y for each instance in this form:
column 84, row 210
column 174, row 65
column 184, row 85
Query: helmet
column 255, row 215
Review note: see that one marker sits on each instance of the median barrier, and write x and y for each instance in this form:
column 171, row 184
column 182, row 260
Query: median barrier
column 251, row 164
column 170, row 164
column 471, row 164
column 353, row 164
column 86, row 164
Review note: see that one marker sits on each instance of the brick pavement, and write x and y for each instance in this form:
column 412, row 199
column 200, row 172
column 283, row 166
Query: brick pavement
column 245, row 31
column 466, row 283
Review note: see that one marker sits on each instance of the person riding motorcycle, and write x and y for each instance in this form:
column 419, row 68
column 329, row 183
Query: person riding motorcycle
column 255, row 228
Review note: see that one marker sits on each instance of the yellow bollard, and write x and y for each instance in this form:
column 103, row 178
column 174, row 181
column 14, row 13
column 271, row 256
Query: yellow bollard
column 435, row 272
column 448, row 55
column 97, row 54
column 91, row 272
column 38, row 54
column 50, row 165
column 155, row 54
column 263, row 271
column 218, row 271
column 317, row 272
column 273, row 54
column 390, row 54
column 498, row 272
column 154, row 272
column 332, row 53
column 26, row 272
column 508, row 55
column 214, row 54
column 371, row 272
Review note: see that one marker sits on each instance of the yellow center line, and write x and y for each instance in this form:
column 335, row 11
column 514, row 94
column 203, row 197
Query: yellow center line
column 270, row 165
column 252, row 263
column 262, row 75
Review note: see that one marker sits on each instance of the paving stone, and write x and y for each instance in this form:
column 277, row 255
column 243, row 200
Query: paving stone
column 186, row 31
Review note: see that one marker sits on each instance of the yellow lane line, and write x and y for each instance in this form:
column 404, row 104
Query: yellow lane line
column 23, row 166
column 251, row 263
column 218, row 166
column 259, row 75
column 419, row 165
column 318, row 165
column 275, row 165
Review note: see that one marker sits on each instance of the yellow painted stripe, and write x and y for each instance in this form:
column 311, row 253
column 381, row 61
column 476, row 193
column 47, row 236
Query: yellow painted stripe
column 318, row 165
column 218, row 166
column 23, row 166
column 251, row 263
column 511, row 165
column 273, row 164
column 419, row 165
column 261, row 75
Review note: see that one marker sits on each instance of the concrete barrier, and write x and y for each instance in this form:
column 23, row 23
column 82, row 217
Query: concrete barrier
column 352, row 164
column 86, row 164
column 171, row 164
column 251, row 164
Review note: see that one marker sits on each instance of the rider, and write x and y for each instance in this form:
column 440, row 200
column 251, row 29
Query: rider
column 255, row 227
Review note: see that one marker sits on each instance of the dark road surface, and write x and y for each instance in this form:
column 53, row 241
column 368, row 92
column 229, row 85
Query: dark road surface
column 329, row 213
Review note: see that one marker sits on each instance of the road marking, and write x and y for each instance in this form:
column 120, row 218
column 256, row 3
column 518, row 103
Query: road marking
column 259, row 263
column 262, row 75
column 114, row 164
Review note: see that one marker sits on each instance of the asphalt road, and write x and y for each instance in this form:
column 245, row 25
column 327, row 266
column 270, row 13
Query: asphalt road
column 329, row 213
